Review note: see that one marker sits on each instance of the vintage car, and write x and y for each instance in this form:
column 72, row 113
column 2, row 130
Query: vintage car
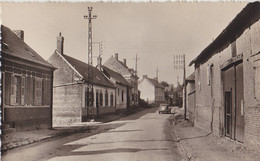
column 164, row 108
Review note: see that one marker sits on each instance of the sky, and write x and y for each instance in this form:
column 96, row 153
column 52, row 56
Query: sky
column 154, row 31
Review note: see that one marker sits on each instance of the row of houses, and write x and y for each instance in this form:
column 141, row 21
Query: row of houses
column 42, row 94
column 223, row 94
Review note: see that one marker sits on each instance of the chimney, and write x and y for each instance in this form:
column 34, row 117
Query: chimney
column 19, row 33
column 145, row 76
column 132, row 71
column 116, row 56
column 60, row 42
column 99, row 63
column 124, row 61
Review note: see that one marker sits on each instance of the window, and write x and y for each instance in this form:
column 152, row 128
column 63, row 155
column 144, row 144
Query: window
column 38, row 91
column 133, row 97
column 118, row 91
column 122, row 96
column 106, row 99
column 257, row 80
column 15, row 89
column 101, row 98
column 111, row 99
column 26, row 90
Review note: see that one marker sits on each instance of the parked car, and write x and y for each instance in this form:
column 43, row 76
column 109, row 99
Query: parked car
column 164, row 108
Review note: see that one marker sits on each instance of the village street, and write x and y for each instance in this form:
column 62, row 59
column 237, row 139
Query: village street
column 141, row 136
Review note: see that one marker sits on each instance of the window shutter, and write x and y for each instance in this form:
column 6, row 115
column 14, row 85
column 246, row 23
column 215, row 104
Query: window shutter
column 22, row 91
column 7, row 88
column 13, row 90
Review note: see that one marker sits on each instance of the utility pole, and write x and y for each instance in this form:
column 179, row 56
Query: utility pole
column 157, row 73
column 90, row 63
column 136, row 86
column 100, row 45
column 179, row 63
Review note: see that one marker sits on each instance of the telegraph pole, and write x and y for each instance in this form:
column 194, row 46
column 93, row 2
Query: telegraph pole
column 179, row 63
column 136, row 86
column 90, row 62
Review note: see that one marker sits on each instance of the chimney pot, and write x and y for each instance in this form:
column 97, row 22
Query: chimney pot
column 145, row 76
column 20, row 34
column 99, row 62
column 60, row 43
column 116, row 56
column 124, row 61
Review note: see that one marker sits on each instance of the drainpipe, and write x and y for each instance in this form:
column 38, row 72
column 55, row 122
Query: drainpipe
column 212, row 99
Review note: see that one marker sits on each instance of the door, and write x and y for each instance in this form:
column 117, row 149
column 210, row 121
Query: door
column 228, row 116
column 233, row 97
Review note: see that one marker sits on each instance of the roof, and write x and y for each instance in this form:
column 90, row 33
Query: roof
column 118, row 77
column 191, row 78
column 118, row 66
column 12, row 45
column 248, row 16
column 155, row 83
column 82, row 68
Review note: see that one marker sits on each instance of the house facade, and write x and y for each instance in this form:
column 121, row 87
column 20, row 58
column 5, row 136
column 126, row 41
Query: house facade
column 70, row 90
column 227, row 80
column 121, row 84
column 151, row 90
column 27, row 81
column 120, row 67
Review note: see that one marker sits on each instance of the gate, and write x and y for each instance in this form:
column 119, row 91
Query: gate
column 233, row 97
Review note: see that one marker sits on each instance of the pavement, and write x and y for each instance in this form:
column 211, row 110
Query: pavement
column 13, row 140
column 196, row 144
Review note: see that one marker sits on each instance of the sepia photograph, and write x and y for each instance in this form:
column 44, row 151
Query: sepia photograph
column 130, row 80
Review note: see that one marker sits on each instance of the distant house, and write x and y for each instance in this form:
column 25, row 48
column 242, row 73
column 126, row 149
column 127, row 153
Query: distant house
column 121, row 84
column 70, row 89
column 120, row 67
column 151, row 90
column 190, row 97
column 227, row 80
column 26, row 84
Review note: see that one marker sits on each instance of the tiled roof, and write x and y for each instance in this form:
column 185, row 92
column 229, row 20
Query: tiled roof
column 118, row 66
column 191, row 77
column 82, row 68
column 12, row 45
column 118, row 77
column 155, row 83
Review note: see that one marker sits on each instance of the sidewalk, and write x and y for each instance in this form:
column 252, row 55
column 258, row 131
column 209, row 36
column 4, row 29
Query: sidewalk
column 201, row 146
column 18, row 139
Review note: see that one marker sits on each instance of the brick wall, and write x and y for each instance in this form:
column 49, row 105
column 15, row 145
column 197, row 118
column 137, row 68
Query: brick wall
column 67, row 105
column 210, row 99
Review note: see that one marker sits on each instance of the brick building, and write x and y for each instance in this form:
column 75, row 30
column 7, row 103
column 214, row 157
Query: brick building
column 120, row 67
column 26, row 84
column 70, row 89
column 151, row 90
column 121, row 84
column 227, row 80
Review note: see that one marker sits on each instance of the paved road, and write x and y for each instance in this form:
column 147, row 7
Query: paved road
column 137, row 137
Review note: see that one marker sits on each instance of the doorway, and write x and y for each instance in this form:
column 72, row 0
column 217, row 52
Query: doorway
column 233, row 101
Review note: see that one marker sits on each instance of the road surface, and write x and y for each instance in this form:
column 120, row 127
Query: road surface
column 141, row 136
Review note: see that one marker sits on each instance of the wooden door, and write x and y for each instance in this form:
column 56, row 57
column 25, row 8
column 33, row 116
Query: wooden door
column 233, row 97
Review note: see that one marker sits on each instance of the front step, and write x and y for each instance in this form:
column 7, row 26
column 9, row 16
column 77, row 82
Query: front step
column 6, row 128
